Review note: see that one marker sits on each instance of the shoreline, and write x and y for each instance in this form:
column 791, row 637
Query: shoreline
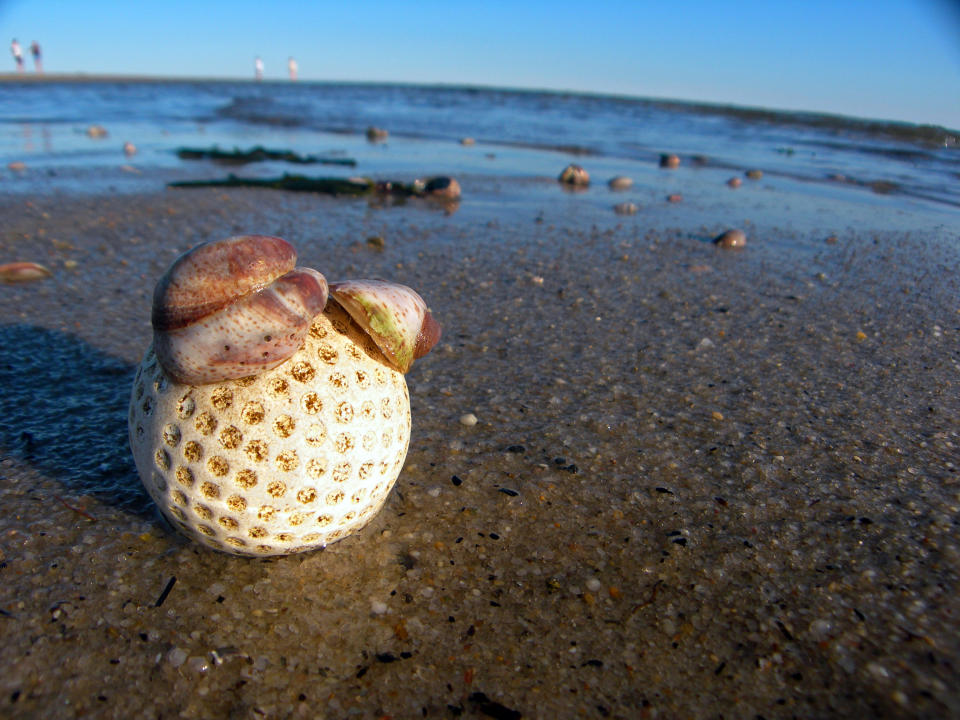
column 754, row 512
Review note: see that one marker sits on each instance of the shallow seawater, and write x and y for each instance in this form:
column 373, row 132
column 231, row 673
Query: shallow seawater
column 518, row 136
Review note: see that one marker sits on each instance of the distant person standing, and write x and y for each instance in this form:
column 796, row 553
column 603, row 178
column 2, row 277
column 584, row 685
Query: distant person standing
column 292, row 67
column 37, row 56
column 17, row 53
column 258, row 68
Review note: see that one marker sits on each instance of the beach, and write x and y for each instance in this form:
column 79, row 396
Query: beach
column 702, row 482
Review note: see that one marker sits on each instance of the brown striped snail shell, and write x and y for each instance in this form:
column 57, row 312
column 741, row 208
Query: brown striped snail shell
column 232, row 308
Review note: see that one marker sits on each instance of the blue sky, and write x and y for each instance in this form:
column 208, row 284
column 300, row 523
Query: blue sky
column 889, row 59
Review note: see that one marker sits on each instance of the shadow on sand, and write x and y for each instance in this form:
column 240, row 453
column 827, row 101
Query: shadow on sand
column 63, row 410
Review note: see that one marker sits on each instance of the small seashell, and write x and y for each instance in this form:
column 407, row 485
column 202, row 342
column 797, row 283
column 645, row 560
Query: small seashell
column 731, row 239
column 19, row 272
column 669, row 161
column 232, row 308
column 217, row 273
column 620, row 182
column 393, row 315
column 445, row 188
column 574, row 175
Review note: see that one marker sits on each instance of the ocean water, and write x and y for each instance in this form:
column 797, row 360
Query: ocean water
column 522, row 138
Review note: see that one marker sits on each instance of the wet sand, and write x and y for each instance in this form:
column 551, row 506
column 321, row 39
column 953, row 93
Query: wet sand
column 702, row 483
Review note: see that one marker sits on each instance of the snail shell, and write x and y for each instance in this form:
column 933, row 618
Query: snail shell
column 232, row 308
column 574, row 175
column 669, row 161
column 18, row 272
column 394, row 316
column 443, row 188
column 731, row 239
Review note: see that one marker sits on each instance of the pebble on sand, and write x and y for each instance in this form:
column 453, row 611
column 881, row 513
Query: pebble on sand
column 754, row 174
column 176, row 656
column 731, row 239
column 734, row 182
column 469, row 419
column 18, row 272
column 574, row 175
column 675, row 198
column 375, row 134
column 625, row 208
column 669, row 161
column 620, row 182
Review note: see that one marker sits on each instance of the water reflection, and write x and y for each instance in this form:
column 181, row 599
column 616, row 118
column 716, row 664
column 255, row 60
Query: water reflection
column 27, row 132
